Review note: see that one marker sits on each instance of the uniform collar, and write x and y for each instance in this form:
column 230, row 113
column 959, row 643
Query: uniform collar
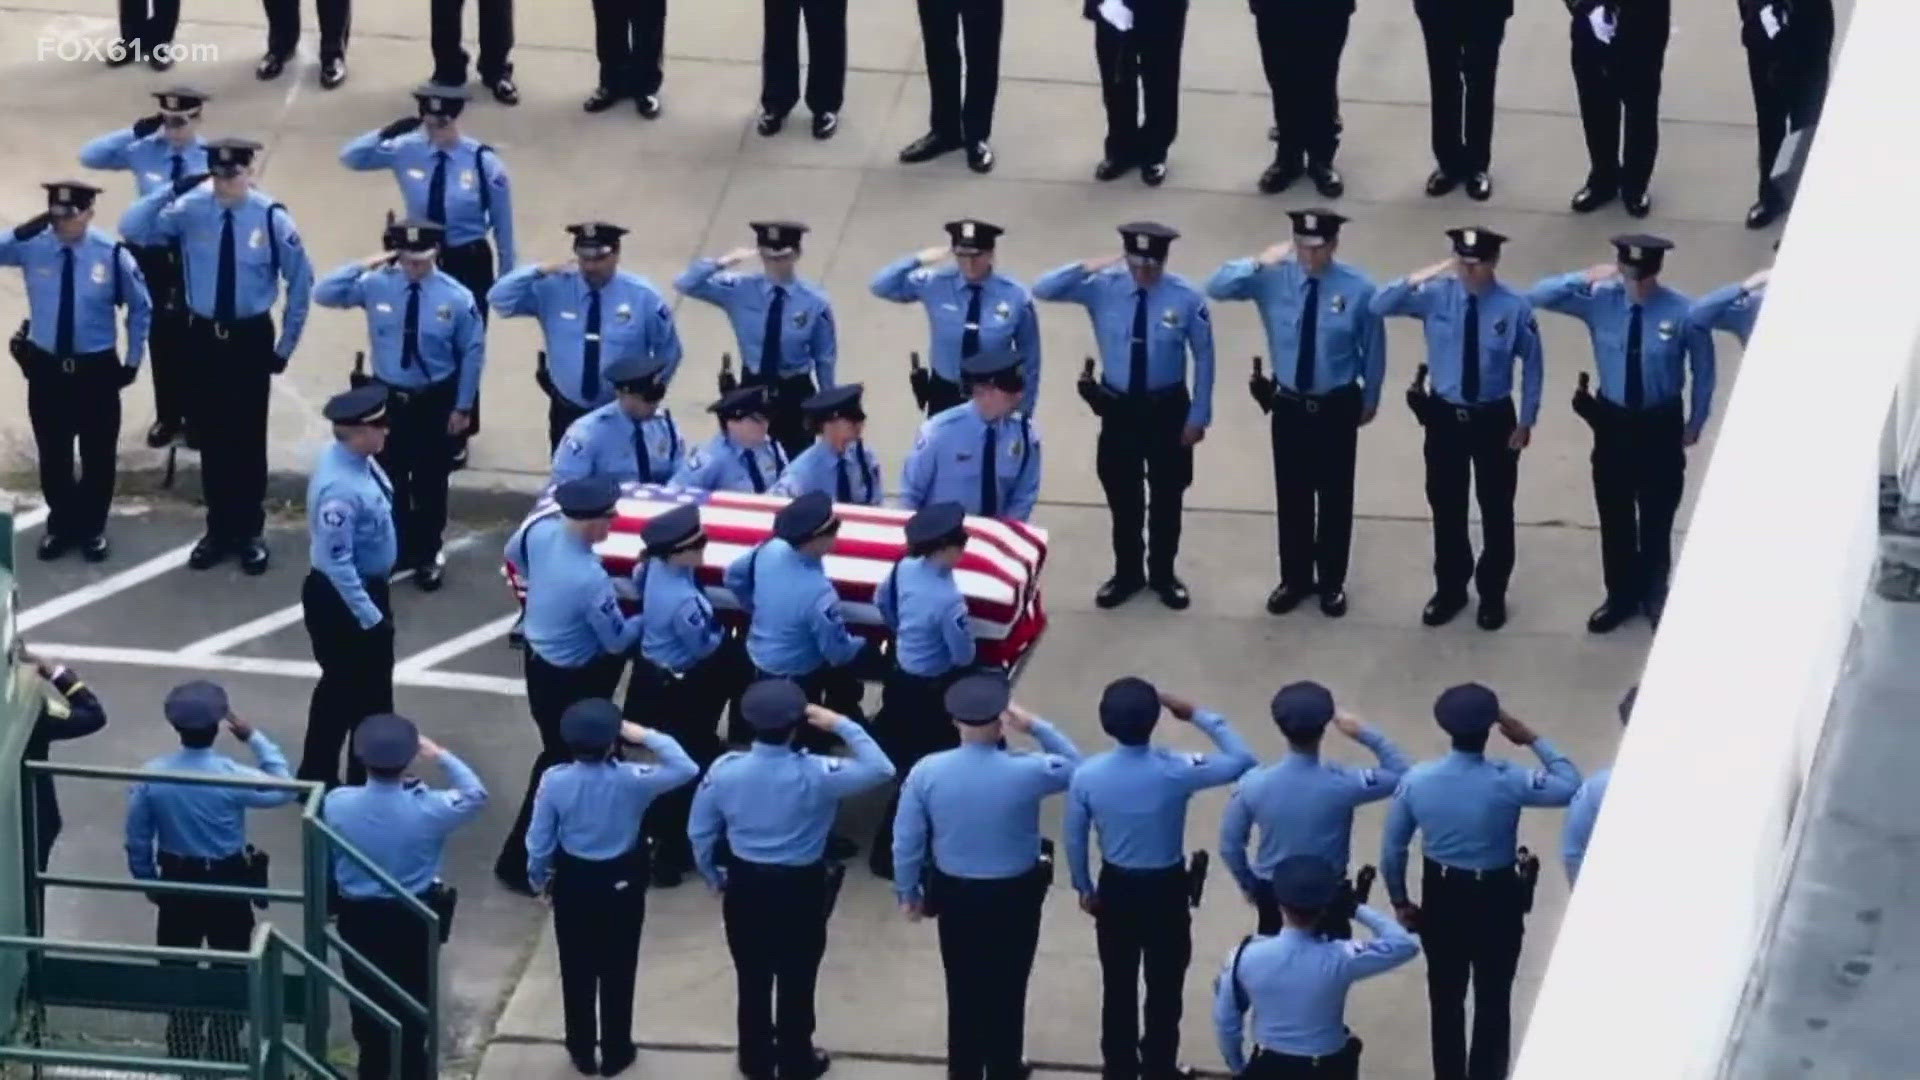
column 1300, row 757
column 768, row 750
column 1466, row 756
column 1133, row 751
column 195, row 753
column 1294, row 933
column 968, row 747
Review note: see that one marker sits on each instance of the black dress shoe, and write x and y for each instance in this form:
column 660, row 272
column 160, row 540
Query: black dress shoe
column 207, row 552
column 617, row 1060
column 1178, row 1072
column 1492, row 614
column 601, row 100
column 1333, row 604
column 825, row 124
column 1609, row 616
column 51, row 547
column 1479, row 187
column 1172, row 592
column 1440, row 182
column 1591, row 198
column 160, row 434
column 96, row 549
column 1639, row 204
column 648, row 106
column 1441, row 609
column 980, row 157
column 1111, row 169
column 1117, row 590
column 1326, row 181
column 269, row 67
column 926, row 148
column 769, row 125
column 430, row 575
column 1278, row 177
column 162, row 58
column 333, row 72
column 254, row 557
column 818, row 1066
column 1764, row 212
column 122, row 53
column 1154, row 175
column 504, row 90
column 1285, row 598
column 666, row 875
column 584, row 1063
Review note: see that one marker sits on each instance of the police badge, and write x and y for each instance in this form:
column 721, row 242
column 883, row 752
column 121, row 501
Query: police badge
column 466, row 179
column 1499, row 327
column 799, row 319
column 1338, row 304
column 99, row 274
column 1170, row 317
column 416, row 174
column 1002, row 311
column 256, row 238
column 623, row 313
column 1667, row 329
column 444, row 313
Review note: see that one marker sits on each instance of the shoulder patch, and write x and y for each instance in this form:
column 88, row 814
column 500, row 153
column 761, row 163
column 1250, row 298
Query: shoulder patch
column 920, row 275
column 834, row 764
column 610, row 607
column 696, row 459
column 333, row 514
column 1369, row 777
column 1196, row 760
column 1539, row 781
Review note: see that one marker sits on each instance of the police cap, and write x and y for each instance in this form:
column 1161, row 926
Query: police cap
column 741, row 403
column 595, row 239
column 998, row 368
column 226, row 157
column 1467, row 709
column 1302, row 709
column 778, row 238
column 806, row 517
column 773, row 704
column 979, row 698
column 360, row 405
column 180, row 99
column 636, row 374
column 590, row 724
column 1148, row 241
column 1305, row 882
column 674, row 531
column 445, row 102
column 417, row 235
column 1312, row 228
column 1476, row 243
column 196, row 706
column 65, row 198
column 587, row 497
column 1626, row 702
column 839, row 403
column 1128, row 708
column 972, row 236
column 1642, row 252
column 386, row 741
column 932, row 526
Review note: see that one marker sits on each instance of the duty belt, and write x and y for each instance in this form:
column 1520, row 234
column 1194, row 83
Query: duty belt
column 1446, row 871
column 1312, row 403
column 403, row 396
column 223, row 329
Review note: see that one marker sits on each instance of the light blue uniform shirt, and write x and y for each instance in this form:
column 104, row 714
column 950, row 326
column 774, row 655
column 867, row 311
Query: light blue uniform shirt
column 573, row 616
column 104, row 278
column 605, row 443
column 1136, row 796
column 796, row 627
column 148, row 158
column 948, row 455
column 1350, row 338
column 807, row 342
column 775, row 805
column 449, row 338
column 720, row 464
column 1582, row 813
column 1177, row 323
column 1296, row 983
column 350, row 522
column 266, row 247
column 401, row 827
column 932, row 631
column 593, row 810
column 1467, row 809
column 1304, row 806
column 634, row 321
column 1671, row 344
column 199, row 821
column 679, row 629
column 1508, row 332
column 1733, row 308
column 476, row 193
column 1008, row 321
column 978, row 807
column 818, row 468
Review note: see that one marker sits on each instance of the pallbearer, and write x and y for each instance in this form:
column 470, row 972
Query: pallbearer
column 629, row 438
column 741, row 457
column 984, row 455
column 838, row 462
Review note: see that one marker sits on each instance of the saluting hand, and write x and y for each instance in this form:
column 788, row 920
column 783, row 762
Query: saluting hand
column 1181, row 708
column 1275, row 253
column 821, row 717
column 1348, row 724
column 929, row 256
column 1516, row 731
column 1018, row 719
column 1758, row 279
column 1428, row 273
column 1602, row 272
column 240, row 728
column 1099, row 263
column 376, row 262
column 429, row 750
column 737, row 256
column 559, row 267
column 632, row 732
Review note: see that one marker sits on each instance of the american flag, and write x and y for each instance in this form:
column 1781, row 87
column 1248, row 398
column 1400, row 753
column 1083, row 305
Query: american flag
column 999, row 573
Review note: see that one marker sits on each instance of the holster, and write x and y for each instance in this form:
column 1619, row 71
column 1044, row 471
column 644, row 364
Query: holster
column 358, row 376
column 1263, row 390
column 442, row 899
column 1098, row 396
column 20, row 347
column 930, row 891
column 728, row 382
column 541, row 377
column 836, row 877
column 1527, row 867
column 1584, row 406
column 1043, row 870
column 1421, row 403
column 256, row 872
column 921, row 382
column 1197, row 877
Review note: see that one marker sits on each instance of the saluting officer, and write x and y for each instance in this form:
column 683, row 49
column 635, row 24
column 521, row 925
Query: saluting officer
column 1789, row 47
column 591, row 313
column 932, row 646
column 784, row 325
column 1300, row 47
column 1303, row 805
column 1136, row 796
column 1645, row 346
column 577, row 636
column 1619, row 47
column 959, row 112
column 1137, row 51
column 237, row 245
column 780, row 63
column 628, row 438
column 402, row 826
column 1733, row 308
column 1329, row 352
column 344, row 600
column 1463, row 58
column 1146, row 322
column 1473, row 898
column 159, row 149
column 1476, row 329
column 985, row 454
column 1584, row 811
column 971, row 308
column 76, row 277
column 1295, row 982
column 64, row 708
column 689, row 669
column 741, row 457
column 967, row 850
column 838, row 462
column 796, row 630
column 429, row 346
column 774, row 805
column 197, row 834
column 585, row 851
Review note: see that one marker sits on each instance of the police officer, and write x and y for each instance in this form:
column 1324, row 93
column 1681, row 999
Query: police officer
column 1329, row 352
column 66, row 709
column 1473, row 898
column 1300, row 47
column 1645, row 345
column 496, row 45
column 577, row 636
column 784, row 325
column 628, row 438
column 1295, row 982
column 429, row 346
column 1789, row 45
column 583, row 850
column 159, row 149
column 1146, row 322
column 402, row 826
column 1476, row 328
column 1136, row 796
column 1303, row 804
column 774, row 804
column 959, row 116
column 1463, row 57
column 344, row 600
column 283, row 37
column 1732, row 308
column 237, row 246
column 1584, row 811
column 932, row 646
column 985, row 454
column 75, row 277
column 629, row 37
column 838, row 462
column 780, row 64
column 197, row 834
column 1619, row 47
column 591, row 313
column 1139, row 60
column 976, row 808
column 971, row 308
column 741, row 457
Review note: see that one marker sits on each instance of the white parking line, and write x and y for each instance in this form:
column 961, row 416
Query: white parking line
column 255, row 665
column 427, row 659
column 27, row 519
column 105, row 587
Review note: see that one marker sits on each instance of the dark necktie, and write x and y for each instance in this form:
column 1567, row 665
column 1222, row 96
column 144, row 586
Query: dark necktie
column 1137, row 375
column 842, row 483
column 970, row 336
column 641, row 458
column 410, row 332
column 1470, row 353
column 63, row 329
column 989, row 489
column 753, row 471
column 224, row 286
column 770, row 344
column 1309, row 338
column 590, row 351
column 437, row 189
column 1634, row 390
column 179, row 167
